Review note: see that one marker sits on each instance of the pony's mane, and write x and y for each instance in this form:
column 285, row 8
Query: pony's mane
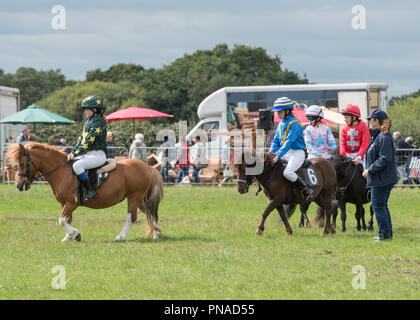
column 339, row 160
column 13, row 153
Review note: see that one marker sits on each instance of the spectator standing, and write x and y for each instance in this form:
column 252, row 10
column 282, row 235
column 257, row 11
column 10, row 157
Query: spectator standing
column 381, row 172
column 410, row 142
column 227, row 159
column 183, row 159
column 24, row 136
column 64, row 142
column 57, row 142
column 32, row 137
column 138, row 149
column 168, row 155
column 401, row 157
column 109, row 145
column 198, row 158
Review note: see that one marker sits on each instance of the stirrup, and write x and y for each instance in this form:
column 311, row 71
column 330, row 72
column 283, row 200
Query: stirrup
column 309, row 193
column 91, row 194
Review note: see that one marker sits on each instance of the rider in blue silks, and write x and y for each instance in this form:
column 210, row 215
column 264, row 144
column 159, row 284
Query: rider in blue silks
column 289, row 144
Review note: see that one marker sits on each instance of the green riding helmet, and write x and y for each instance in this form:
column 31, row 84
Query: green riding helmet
column 93, row 102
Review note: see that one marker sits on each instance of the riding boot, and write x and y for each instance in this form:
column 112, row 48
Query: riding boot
column 306, row 191
column 91, row 193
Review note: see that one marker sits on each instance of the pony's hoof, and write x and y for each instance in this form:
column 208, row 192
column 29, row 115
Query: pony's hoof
column 78, row 237
column 119, row 238
column 156, row 235
column 301, row 225
column 289, row 234
column 308, row 225
column 66, row 238
column 370, row 228
column 258, row 233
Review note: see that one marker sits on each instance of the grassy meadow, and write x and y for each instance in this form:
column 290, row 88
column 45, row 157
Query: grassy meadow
column 208, row 251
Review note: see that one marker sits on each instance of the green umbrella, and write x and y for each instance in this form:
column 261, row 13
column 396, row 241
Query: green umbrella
column 35, row 114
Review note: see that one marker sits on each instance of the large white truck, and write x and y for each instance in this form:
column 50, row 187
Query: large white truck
column 213, row 110
column 9, row 104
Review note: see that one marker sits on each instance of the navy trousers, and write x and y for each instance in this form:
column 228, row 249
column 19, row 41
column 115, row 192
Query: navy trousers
column 380, row 196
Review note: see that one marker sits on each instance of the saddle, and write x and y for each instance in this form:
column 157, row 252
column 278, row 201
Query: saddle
column 97, row 176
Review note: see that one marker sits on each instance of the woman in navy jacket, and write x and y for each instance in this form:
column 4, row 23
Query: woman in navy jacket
column 381, row 172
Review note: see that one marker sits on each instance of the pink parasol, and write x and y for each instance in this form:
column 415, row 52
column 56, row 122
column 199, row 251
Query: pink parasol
column 133, row 113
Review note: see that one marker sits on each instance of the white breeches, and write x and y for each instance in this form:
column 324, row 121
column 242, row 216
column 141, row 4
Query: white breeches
column 91, row 159
column 295, row 160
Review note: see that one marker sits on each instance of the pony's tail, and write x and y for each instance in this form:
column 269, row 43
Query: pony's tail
column 150, row 204
column 318, row 220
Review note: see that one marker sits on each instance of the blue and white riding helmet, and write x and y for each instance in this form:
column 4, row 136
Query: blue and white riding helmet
column 282, row 103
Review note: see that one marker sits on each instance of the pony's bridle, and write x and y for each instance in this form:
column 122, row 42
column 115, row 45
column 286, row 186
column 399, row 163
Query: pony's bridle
column 27, row 175
column 346, row 185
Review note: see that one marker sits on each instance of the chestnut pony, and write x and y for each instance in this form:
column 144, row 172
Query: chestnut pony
column 141, row 184
column 279, row 190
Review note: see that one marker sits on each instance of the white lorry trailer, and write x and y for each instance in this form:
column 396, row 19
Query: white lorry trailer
column 9, row 104
column 213, row 110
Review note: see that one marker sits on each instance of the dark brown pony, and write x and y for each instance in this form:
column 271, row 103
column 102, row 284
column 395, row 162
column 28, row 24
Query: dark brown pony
column 131, row 179
column 279, row 190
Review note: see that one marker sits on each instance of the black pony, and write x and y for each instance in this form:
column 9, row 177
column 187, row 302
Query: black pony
column 351, row 188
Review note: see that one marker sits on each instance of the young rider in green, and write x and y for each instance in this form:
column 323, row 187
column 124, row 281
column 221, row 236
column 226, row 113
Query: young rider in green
column 91, row 145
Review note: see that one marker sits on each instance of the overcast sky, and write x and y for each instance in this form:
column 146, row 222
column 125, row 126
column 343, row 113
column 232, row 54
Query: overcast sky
column 312, row 37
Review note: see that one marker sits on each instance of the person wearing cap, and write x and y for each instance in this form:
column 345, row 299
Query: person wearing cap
column 381, row 172
column 319, row 140
column 355, row 135
column 288, row 144
column 91, row 145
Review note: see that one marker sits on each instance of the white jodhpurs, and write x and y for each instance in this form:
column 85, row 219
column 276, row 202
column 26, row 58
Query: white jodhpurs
column 91, row 159
column 295, row 160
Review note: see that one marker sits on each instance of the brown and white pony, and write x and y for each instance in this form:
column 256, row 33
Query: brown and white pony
column 132, row 179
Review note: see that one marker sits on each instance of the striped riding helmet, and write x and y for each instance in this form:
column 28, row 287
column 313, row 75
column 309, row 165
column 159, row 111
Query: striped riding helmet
column 315, row 111
column 282, row 103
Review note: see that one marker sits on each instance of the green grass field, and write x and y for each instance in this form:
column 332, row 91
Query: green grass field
column 209, row 251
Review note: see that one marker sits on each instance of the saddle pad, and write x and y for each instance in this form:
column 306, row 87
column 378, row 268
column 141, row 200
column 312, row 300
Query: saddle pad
column 308, row 173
